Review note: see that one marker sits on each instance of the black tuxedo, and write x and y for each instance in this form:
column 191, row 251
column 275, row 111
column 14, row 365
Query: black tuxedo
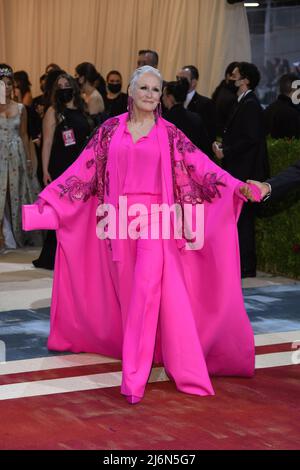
column 245, row 157
column 282, row 119
column 191, row 125
column 206, row 108
column 244, row 143
column 286, row 180
column 225, row 99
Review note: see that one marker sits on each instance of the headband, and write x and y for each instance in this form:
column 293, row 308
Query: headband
column 5, row 72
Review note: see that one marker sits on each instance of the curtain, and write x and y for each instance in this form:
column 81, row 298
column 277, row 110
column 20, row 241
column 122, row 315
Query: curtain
column 108, row 33
column 2, row 34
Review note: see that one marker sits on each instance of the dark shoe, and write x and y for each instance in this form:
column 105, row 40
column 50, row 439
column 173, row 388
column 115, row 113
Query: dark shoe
column 38, row 264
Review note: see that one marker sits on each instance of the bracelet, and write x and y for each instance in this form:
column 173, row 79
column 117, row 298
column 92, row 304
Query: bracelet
column 269, row 193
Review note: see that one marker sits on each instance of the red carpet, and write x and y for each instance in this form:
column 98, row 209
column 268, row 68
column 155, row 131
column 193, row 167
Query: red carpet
column 258, row 413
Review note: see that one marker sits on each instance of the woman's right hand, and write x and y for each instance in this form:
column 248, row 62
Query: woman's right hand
column 46, row 178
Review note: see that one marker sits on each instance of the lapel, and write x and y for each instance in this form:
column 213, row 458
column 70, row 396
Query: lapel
column 163, row 141
column 193, row 100
column 237, row 109
column 112, row 175
column 112, row 161
column 167, row 172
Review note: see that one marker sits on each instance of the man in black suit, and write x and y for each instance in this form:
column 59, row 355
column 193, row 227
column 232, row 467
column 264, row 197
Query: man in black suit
column 199, row 104
column 147, row 57
column 225, row 98
column 244, row 153
column 282, row 118
column 191, row 124
column 280, row 184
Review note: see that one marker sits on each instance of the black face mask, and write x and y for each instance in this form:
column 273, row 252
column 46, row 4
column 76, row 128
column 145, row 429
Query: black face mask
column 114, row 87
column 231, row 86
column 65, row 95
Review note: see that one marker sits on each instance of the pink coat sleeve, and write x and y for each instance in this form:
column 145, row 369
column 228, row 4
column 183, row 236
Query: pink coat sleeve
column 61, row 199
column 205, row 172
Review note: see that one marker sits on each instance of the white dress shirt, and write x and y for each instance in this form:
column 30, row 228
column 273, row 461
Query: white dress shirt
column 189, row 98
column 243, row 95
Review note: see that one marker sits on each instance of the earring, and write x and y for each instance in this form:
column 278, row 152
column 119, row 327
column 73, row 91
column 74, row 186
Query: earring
column 157, row 112
column 130, row 108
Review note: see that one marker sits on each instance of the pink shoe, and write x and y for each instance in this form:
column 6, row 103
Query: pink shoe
column 132, row 399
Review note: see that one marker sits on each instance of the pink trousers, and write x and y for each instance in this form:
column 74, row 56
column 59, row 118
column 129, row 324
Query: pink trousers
column 138, row 278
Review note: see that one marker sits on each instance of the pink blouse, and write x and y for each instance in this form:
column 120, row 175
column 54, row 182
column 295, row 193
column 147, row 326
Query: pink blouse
column 139, row 164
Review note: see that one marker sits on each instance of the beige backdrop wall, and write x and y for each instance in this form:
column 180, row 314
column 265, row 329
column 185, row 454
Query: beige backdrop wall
column 207, row 33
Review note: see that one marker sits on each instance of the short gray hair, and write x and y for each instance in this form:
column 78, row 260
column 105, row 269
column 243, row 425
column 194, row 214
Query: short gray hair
column 141, row 71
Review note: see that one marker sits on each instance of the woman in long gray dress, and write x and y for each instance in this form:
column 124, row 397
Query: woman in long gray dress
column 15, row 164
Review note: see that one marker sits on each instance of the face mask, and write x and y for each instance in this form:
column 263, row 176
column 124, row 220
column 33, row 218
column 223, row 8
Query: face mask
column 114, row 87
column 231, row 86
column 65, row 95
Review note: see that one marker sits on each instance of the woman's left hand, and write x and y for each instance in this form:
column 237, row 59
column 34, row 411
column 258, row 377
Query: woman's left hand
column 250, row 192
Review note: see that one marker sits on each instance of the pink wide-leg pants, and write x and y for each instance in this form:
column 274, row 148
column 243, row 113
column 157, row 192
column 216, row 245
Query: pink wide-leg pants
column 138, row 278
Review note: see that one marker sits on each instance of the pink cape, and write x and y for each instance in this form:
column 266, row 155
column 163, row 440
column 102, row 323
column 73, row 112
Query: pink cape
column 85, row 311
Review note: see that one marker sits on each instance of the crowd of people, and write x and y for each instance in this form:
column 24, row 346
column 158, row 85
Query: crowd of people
column 52, row 128
column 271, row 72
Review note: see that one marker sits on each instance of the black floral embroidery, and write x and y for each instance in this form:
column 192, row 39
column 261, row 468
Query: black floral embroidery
column 108, row 130
column 107, row 182
column 207, row 190
column 186, row 189
column 90, row 163
column 183, row 144
column 79, row 190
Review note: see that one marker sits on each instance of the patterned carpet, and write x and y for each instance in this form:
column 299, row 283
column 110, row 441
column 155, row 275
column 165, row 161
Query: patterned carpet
column 72, row 401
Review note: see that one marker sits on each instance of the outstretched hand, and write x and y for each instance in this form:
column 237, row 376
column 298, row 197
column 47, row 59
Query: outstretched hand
column 263, row 187
column 251, row 192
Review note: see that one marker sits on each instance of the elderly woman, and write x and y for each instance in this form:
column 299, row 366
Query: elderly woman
column 163, row 297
